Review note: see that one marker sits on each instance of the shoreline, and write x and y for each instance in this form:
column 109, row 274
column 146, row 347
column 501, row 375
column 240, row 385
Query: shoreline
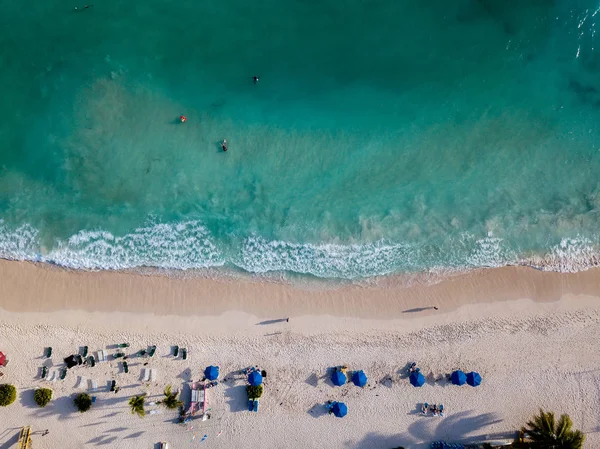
column 40, row 288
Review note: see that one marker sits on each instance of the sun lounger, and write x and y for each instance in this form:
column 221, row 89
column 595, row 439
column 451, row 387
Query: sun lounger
column 146, row 375
column 49, row 352
column 101, row 356
column 184, row 354
column 51, row 376
column 63, row 374
column 113, row 384
column 153, row 375
column 123, row 345
column 118, row 355
column 154, row 412
column 176, row 351
column 81, row 381
column 44, row 372
column 441, row 410
column 152, row 351
column 84, row 353
column 91, row 361
column 125, row 367
column 253, row 405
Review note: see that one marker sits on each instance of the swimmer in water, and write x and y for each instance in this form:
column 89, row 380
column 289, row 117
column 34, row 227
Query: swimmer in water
column 255, row 78
column 224, row 145
column 85, row 7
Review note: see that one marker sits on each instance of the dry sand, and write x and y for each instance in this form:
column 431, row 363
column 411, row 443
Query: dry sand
column 533, row 336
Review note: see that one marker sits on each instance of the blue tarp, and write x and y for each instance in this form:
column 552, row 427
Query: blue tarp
column 359, row 378
column 339, row 409
column 473, row 379
column 212, row 372
column 255, row 378
column 417, row 379
column 459, row 377
column 338, row 378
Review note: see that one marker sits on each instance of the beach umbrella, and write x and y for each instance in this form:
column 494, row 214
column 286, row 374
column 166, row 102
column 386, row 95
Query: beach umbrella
column 339, row 409
column 2, row 359
column 473, row 379
column 255, row 378
column 459, row 377
column 338, row 378
column 359, row 378
column 417, row 379
column 212, row 372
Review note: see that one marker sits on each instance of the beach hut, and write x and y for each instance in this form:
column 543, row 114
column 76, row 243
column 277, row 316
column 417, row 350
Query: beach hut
column 339, row 409
column 255, row 378
column 212, row 372
column 3, row 360
column 458, row 377
column 473, row 379
column 417, row 379
column 338, row 378
column 359, row 378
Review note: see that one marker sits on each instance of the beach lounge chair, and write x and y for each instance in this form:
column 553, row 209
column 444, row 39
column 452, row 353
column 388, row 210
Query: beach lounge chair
column 101, row 356
column 424, row 408
column 175, row 351
column 91, row 361
column 118, row 355
column 146, row 375
column 184, row 354
column 125, row 367
column 81, row 381
column 44, row 372
column 51, row 376
column 153, row 375
column 63, row 374
column 113, row 384
column 84, row 353
column 255, row 406
column 49, row 352
column 123, row 345
column 152, row 351
column 441, row 410
column 142, row 353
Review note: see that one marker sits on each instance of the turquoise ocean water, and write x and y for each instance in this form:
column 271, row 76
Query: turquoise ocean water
column 384, row 136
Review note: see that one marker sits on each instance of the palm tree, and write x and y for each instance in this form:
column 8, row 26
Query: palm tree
column 137, row 405
column 546, row 433
column 170, row 401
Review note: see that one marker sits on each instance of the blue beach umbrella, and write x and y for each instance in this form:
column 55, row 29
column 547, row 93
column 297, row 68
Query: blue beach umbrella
column 338, row 378
column 255, row 378
column 339, row 409
column 417, row 379
column 473, row 379
column 359, row 378
column 212, row 372
column 459, row 377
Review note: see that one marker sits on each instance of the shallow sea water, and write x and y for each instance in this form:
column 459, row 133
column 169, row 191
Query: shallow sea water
column 382, row 137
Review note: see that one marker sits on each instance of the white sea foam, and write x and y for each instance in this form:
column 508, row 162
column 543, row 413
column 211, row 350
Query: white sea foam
column 190, row 245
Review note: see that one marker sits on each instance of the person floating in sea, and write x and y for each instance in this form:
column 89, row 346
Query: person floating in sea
column 182, row 118
column 224, row 145
column 81, row 9
column 255, row 78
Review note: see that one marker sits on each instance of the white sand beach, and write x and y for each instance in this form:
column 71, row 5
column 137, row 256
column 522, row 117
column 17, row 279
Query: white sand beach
column 532, row 336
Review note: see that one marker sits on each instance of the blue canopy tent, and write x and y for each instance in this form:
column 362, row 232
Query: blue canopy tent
column 459, row 377
column 339, row 409
column 255, row 378
column 212, row 372
column 338, row 378
column 473, row 379
column 359, row 378
column 417, row 379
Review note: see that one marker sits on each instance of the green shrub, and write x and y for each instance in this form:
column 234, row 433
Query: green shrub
column 254, row 392
column 83, row 402
column 8, row 394
column 170, row 401
column 42, row 396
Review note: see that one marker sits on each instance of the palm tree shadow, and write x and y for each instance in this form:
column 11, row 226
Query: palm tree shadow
column 454, row 427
